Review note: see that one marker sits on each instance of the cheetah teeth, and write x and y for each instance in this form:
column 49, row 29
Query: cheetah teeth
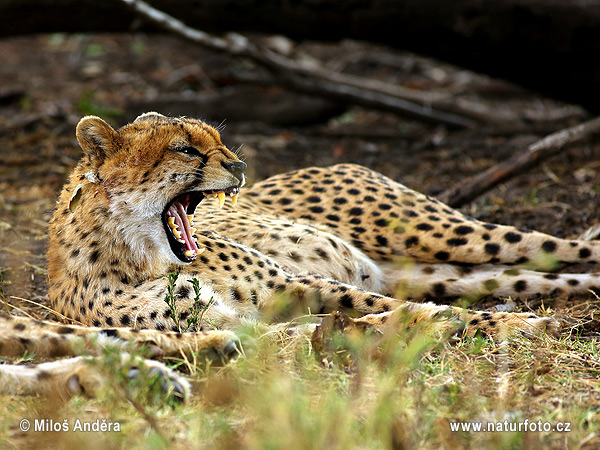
column 175, row 229
column 192, row 253
column 191, row 221
column 220, row 196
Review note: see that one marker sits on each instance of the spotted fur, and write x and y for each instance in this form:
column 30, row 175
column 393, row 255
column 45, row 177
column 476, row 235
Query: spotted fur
column 317, row 239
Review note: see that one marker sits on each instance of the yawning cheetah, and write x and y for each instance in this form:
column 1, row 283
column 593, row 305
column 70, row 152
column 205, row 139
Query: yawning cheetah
column 150, row 199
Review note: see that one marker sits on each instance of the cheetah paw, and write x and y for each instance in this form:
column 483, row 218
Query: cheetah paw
column 227, row 349
column 501, row 325
column 165, row 380
column 158, row 381
column 211, row 347
column 531, row 326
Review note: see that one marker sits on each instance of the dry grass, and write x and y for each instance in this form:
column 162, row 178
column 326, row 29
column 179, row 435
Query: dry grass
column 365, row 392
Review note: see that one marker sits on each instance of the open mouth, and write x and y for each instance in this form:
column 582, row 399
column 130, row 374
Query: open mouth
column 178, row 220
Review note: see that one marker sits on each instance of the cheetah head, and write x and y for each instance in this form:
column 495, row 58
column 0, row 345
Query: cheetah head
column 154, row 173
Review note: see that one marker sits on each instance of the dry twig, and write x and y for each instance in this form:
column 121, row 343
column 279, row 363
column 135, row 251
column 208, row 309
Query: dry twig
column 351, row 89
column 471, row 188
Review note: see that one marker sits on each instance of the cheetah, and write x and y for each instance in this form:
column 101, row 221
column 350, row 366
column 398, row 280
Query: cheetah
column 150, row 199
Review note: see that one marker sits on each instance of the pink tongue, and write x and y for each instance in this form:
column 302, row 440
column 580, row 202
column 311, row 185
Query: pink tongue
column 181, row 220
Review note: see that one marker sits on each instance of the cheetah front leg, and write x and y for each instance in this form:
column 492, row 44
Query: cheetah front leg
column 48, row 339
column 85, row 375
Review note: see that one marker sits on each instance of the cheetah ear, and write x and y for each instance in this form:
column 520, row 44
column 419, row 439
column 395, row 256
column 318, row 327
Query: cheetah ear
column 152, row 115
column 97, row 139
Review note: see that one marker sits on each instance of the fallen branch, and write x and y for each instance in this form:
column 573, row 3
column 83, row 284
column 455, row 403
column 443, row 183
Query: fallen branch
column 471, row 188
column 351, row 89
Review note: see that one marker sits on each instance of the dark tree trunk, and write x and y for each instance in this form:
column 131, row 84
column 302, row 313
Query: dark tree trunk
column 551, row 46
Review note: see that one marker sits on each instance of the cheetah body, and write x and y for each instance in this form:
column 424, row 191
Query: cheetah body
column 294, row 234
column 323, row 239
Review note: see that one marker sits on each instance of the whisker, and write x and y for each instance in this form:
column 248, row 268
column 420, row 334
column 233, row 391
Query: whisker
column 238, row 152
column 203, row 164
column 221, row 126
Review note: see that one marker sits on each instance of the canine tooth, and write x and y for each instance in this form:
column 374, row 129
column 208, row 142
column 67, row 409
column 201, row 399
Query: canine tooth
column 234, row 199
column 221, row 199
column 171, row 221
column 189, row 253
column 201, row 250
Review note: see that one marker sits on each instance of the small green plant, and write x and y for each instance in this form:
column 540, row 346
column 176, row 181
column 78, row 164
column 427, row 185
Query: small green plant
column 194, row 321
column 171, row 297
column 196, row 312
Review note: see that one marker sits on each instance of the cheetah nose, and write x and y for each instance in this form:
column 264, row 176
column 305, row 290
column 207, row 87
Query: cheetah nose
column 236, row 168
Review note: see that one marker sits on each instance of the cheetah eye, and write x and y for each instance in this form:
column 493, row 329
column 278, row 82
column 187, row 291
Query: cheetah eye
column 188, row 150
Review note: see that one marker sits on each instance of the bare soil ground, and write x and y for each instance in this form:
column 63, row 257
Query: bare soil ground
column 48, row 82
